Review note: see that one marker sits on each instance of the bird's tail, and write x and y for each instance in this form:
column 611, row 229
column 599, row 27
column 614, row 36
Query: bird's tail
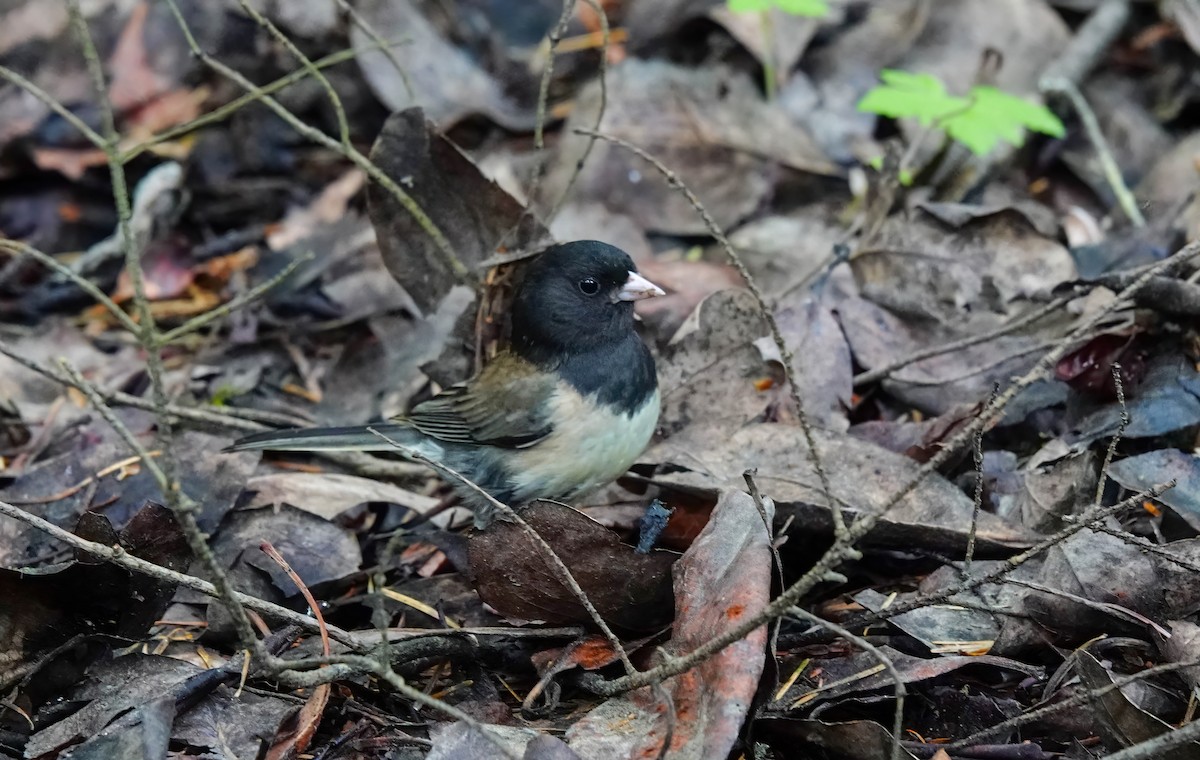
column 359, row 438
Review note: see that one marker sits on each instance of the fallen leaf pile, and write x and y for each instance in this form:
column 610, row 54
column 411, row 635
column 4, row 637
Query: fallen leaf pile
column 926, row 479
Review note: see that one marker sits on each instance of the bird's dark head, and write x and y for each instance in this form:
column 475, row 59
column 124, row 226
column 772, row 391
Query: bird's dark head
column 577, row 296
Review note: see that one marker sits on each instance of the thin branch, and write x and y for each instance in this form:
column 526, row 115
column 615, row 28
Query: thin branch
column 977, row 500
column 119, row 557
column 1116, row 439
column 317, row 136
column 357, row 19
column 55, row 105
column 539, row 128
column 1112, row 172
column 785, row 354
column 251, row 295
column 873, row 375
column 900, row 691
column 87, row 286
column 334, row 100
column 1082, row 697
column 227, row 110
column 606, row 39
column 180, row 504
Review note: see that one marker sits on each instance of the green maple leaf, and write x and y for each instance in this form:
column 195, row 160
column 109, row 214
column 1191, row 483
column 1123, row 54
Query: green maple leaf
column 919, row 96
column 748, row 6
column 814, row 8
column 811, row 8
column 980, row 122
column 995, row 116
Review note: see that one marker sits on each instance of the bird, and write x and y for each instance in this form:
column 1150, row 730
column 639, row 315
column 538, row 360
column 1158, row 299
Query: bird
column 567, row 407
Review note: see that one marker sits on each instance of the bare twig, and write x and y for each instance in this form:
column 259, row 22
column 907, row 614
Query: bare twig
column 334, row 100
column 357, row 19
column 977, row 450
column 317, row 136
column 1158, row 746
column 873, row 375
column 539, row 129
column 55, row 105
column 147, row 333
column 87, row 286
column 1075, row 700
column 1116, row 439
column 606, row 38
column 121, row 558
column 251, row 295
column 900, row 691
column 1112, row 172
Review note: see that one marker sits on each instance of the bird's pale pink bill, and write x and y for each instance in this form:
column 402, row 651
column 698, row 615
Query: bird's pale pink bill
column 637, row 287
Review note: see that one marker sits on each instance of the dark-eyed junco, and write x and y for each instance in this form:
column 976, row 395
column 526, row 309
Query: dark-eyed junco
column 565, row 409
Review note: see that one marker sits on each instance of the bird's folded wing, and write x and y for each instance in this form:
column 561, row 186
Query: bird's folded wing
column 506, row 405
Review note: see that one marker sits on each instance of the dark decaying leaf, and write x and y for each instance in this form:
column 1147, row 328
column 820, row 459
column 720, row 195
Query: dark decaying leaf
column 135, row 697
column 630, row 590
column 473, row 213
column 436, row 75
column 878, row 337
column 722, row 580
column 1170, row 180
column 961, row 625
column 854, row 740
column 45, row 608
column 227, row 724
column 317, row 550
column 1183, row 646
column 1089, row 368
column 109, row 690
column 1118, row 720
column 920, row 266
column 821, row 361
column 859, row 673
column 936, row 515
column 938, row 626
column 1167, row 399
column 1043, row 492
column 459, row 741
column 707, row 374
column 1101, row 568
column 1140, row 472
column 709, row 126
column 919, row 441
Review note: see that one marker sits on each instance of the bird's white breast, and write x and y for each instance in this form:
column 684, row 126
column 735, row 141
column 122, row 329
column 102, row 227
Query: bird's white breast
column 591, row 445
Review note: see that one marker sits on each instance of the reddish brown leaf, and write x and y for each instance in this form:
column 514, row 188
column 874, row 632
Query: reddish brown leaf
column 630, row 590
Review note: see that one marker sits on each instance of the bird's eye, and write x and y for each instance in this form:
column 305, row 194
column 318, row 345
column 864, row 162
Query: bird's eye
column 589, row 286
